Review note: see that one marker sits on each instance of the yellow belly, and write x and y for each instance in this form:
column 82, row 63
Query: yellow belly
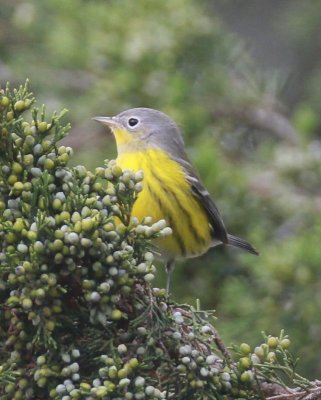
column 167, row 195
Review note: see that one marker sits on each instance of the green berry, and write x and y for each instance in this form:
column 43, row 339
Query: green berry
column 27, row 131
column 122, row 373
column 85, row 386
column 116, row 171
column 271, row 357
column 41, row 382
column 56, row 204
column 5, row 101
column 9, row 387
column 12, row 179
column 41, row 360
column 246, row 377
column 116, row 315
column 149, row 277
column 64, row 216
column 50, row 325
column 28, row 159
column 16, row 168
column 42, row 126
column 40, row 293
column 10, row 237
column 19, row 225
column 10, row 116
column 272, row 342
column 259, row 351
column 63, row 158
column 32, row 235
column 49, row 164
column 87, row 224
column 57, row 245
column 133, row 363
column 285, row 343
column 19, row 105
column 26, row 303
column 28, row 103
column 39, row 247
column 23, row 383
column 101, row 392
column 245, row 362
column 112, row 372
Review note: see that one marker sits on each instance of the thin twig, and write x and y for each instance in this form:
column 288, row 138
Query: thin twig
column 311, row 393
column 220, row 344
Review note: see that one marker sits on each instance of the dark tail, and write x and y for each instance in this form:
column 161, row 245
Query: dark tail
column 241, row 243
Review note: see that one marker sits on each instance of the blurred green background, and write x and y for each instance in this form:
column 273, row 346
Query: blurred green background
column 243, row 79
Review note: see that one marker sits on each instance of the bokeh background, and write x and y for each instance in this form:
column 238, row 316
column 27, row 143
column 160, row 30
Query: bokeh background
column 243, row 79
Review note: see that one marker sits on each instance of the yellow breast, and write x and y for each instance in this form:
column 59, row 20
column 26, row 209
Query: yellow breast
column 167, row 195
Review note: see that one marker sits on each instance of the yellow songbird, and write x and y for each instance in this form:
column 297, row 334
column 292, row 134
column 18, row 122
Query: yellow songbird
column 149, row 140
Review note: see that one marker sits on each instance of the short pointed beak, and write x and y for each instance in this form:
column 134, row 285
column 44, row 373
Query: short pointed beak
column 109, row 121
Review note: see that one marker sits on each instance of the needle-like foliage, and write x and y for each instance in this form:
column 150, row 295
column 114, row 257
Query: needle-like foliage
column 79, row 318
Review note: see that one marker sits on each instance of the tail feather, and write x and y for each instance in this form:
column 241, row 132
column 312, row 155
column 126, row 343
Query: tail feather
column 241, row 243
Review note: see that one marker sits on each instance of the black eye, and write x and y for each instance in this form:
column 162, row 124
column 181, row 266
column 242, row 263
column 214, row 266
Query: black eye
column 132, row 122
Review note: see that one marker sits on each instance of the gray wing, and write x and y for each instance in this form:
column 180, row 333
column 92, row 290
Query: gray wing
column 199, row 191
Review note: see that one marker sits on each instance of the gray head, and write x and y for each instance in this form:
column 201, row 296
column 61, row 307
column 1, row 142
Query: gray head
column 140, row 128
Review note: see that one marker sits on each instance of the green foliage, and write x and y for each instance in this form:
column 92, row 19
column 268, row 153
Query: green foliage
column 61, row 250
column 78, row 316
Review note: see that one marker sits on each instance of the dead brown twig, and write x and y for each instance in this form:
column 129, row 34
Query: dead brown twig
column 276, row 392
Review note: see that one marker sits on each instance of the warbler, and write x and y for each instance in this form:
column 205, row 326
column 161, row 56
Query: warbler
column 149, row 140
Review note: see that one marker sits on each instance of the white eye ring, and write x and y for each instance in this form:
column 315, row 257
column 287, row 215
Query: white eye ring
column 132, row 122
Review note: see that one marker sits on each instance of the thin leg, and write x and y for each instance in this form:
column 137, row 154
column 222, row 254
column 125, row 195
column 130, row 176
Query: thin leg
column 169, row 267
